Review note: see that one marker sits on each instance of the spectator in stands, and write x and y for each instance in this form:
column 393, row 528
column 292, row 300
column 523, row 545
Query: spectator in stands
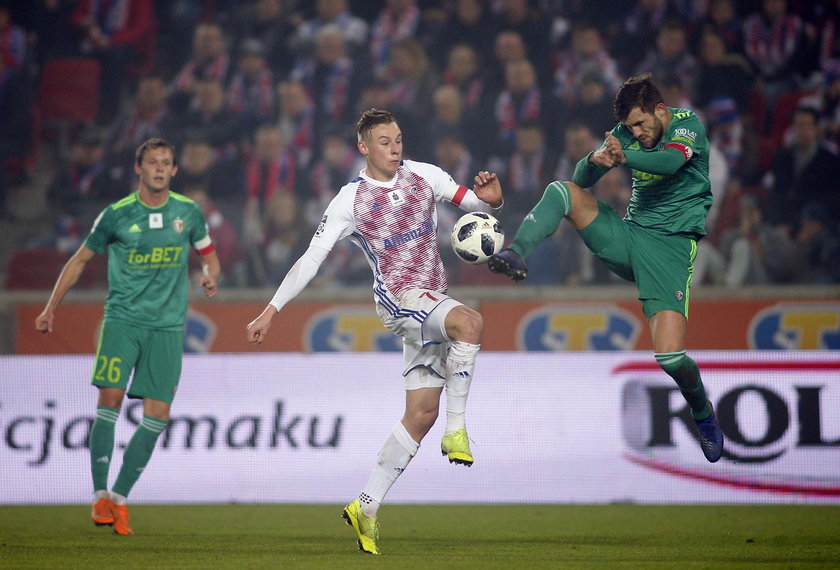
column 756, row 253
column 272, row 25
column 210, row 61
column 450, row 117
column 335, row 14
column 463, row 71
column 222, row 232
column 470, row 23
column 578, row 140
column 640, row 25
column 592, row 104
column 775, row 46
column 722, row 73
column 251, row 93
column 724, row 21
column 527, row 170
column 13, row 44
column 53, row 34
column 201, row 166
column 507, row 48
column 271, row 170
column 296, row 119
column 87, row 184
column 804, row 171
column 337, row 164
column 671, row 55
column 287, row 236
column 142, row 120
column 521, row 100
column 816, row 247
column 397, row 21
column 528, row 20
column 16, row 129
column 411, row 80
column 208, row 118
column 586, row 56
column 333, row 80
column 116, row 33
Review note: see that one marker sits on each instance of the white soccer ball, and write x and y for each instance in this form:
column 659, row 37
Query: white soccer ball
column 476, row 236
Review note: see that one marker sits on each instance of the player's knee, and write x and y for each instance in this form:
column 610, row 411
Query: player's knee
column 467, row 325
column 422, row 419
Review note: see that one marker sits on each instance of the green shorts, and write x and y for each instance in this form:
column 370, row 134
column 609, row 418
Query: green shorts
column 661, row 265
column 155, row 356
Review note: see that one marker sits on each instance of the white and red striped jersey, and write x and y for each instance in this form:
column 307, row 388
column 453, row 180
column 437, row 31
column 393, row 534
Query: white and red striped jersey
column 395, row 225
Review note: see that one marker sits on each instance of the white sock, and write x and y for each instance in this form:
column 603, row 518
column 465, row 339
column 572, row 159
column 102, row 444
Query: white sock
column 101, row 494
column 394, row 457
column 118, row 499
column 460, row 364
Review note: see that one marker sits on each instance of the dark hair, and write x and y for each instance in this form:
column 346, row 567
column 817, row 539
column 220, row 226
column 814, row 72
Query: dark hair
column 372, row 118
column 638, row 91
column 153, row 144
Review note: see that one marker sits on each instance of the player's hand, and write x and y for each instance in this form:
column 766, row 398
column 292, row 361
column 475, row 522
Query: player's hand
column 613, row 148
column 44, row 322
column 488, row 189
column 211, row 287
column 601, row 158
column 258, row 328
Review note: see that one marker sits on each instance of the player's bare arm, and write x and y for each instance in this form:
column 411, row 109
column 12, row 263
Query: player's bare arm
column 258, row 328
column 67, row 278
column 210, row 271
column 488, row 189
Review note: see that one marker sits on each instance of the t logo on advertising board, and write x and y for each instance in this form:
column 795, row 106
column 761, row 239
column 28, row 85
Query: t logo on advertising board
column 349, row 329
column 199, row 332
column 781, row 421
column 590, row 327
column 796, row 326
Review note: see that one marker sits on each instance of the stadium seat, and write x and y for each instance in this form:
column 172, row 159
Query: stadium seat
column 35, row 268
column 68, row 97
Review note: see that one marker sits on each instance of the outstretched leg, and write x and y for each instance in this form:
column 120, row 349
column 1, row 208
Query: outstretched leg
column 560, row 200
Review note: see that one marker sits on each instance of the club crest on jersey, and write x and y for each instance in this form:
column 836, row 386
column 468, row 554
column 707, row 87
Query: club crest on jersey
column 413, row 190
column 155, row 221
column 178, row 225
column 680, row 295
column 396, row 198
column 320, row 228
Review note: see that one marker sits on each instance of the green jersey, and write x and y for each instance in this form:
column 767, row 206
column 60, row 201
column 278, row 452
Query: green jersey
column 671, row 202
column 148, row 257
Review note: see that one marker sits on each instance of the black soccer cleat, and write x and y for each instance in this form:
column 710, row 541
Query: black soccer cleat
column 711, row 437
column 509, row 263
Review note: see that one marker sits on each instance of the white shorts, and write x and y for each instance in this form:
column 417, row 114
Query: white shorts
column 420, row 322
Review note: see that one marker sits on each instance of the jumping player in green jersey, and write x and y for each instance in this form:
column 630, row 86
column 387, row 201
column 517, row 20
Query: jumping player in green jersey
column 667, row 152
column 147, row 235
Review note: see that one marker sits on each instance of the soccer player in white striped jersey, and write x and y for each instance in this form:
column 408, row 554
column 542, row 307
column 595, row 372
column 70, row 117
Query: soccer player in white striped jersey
column 389, row 211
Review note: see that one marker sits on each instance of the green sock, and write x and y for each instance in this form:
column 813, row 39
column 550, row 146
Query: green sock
column 137, row 453
column 101, row 445
column 686, row 374
column 543, row 219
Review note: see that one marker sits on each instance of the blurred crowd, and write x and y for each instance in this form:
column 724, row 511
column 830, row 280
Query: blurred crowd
column 260, row 97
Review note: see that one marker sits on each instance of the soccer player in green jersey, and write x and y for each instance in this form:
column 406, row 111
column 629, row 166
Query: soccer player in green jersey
column 667, row 152
column 147, row 236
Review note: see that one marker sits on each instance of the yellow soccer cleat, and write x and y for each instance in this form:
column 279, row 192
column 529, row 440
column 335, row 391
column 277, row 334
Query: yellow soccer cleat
column 121, row 519
column 100, row 512
column 367, row 529
column 457, row 447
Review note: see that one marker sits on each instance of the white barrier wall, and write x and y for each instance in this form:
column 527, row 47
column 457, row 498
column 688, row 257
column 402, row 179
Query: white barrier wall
column 573, row 427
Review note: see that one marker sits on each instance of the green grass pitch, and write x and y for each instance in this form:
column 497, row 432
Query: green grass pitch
column 428, row 536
